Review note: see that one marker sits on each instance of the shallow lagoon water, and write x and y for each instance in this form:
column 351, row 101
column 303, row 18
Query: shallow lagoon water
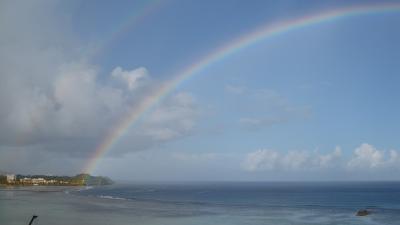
column 204, row 203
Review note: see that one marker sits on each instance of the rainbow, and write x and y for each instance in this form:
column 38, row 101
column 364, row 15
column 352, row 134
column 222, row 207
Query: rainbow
column 134, row 19
column 264, row 32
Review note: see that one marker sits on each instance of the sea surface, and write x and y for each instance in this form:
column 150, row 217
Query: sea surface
column 275, row 203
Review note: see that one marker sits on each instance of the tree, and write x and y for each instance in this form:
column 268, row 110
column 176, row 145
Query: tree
column 3, row 179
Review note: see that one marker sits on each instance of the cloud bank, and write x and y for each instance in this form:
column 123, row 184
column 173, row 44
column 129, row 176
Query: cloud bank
column 54, row 100
column 365, row 158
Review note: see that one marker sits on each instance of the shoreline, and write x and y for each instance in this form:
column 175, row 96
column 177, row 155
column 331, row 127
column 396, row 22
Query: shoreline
column 42, row 188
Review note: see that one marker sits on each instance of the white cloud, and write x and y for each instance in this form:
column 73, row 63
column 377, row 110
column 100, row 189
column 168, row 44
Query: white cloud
column 132, row 79
column 394, row 158
column 364, row 158
column 295, row 160
column 367, row 156
column 261, row 160
column 53, row 98
column 330, row 159
column 271, row 160
column 72, row 104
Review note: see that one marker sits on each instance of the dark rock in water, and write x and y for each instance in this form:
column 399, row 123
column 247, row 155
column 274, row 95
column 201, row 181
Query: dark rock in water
column 363, row 212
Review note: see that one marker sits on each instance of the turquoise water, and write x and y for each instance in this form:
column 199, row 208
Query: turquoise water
column 205, row 203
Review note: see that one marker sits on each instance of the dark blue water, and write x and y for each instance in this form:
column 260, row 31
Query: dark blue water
column 347, row 195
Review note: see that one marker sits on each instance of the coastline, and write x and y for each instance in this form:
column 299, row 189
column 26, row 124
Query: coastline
column 32, row 188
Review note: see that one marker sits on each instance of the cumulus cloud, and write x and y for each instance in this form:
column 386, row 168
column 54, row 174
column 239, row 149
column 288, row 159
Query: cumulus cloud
column 364, row 158
column 271, row 160
column 329, row 159
column 261, row 160
column 367, row 156
column 132, row 79
column 53, row 99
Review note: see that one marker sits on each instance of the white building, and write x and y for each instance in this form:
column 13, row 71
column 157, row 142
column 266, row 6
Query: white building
column 26, row 180
column 10, row 178
column 38, row 180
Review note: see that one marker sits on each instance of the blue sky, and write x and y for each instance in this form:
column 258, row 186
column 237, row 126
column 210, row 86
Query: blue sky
column 314, row 103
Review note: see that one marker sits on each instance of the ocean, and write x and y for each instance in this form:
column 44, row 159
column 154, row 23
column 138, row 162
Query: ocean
column 255, row 203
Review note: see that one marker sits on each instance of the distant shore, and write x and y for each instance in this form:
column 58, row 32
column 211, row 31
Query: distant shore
column 32, row 188
column 50, row 180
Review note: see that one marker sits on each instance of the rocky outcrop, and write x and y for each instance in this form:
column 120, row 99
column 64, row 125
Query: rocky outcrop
column 363, row 212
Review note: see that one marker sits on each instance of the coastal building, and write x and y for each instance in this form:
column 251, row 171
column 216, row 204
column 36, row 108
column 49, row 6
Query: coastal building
column 51, row 181
column 10, row 178
column 38, row 181
column 26, row 180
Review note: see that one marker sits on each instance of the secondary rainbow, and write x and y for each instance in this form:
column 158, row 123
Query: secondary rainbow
column 134, row 19
column 264, row 32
